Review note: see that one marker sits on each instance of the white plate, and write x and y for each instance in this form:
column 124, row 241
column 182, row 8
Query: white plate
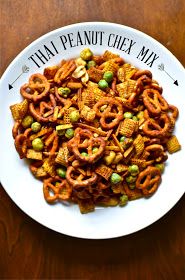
column 136, row 48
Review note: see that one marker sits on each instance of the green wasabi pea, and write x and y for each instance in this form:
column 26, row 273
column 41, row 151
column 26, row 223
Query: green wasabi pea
column 140, row 115
column 108, row 76
column 128, row 115
column 37, row 144
column 36, row 126
column 61, row 172
column 123, row 200
column 74, row 116
column 160, row 166
column 122, row 139
column 103, row 84
column 84, row 154
column 135, row 118
column 115, row 178
column 132, row 186
column 69, row 133
column 27, row 121
column 90, row 64
column 130, row 179
column 95, row 150
column 64, row 91
column 133, row 169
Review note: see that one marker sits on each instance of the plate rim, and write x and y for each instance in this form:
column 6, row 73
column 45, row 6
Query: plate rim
column 87, row 23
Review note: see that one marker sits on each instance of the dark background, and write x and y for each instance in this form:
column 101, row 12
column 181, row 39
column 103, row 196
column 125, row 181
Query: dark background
column 27, row 249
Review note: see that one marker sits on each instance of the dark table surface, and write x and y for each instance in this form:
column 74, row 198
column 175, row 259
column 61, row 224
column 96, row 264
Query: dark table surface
column 31, row 251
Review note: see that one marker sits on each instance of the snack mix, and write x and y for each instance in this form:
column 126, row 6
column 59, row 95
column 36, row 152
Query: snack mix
column 96, row 130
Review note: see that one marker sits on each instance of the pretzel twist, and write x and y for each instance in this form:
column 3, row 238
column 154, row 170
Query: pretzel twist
column 154, row 101
column 173, row 113
column 45, row 112
column 36, row 89
column 15, row 129
column 108, row 113
column 79, row 181
column 156, row 152
column 84, row 139
column 149, row 180
column 60, row 188
column 21, row 145
column 66, row 69
column 154, row 128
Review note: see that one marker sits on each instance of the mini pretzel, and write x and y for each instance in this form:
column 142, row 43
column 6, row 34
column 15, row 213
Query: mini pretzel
column 140, row 73
column 78, row 180
column 27, row 133
column 153, row 127
column 60, row 188
column 36, row 89
column 155, row 148
column 152, row 141
column 149, row 180
column 15, row 129
column 173, row 113
column 117, row 116
column 156, row 152
column 84, row 139
column 21, row 145
column 54, row 143
column 154, row 101
column 154, row 85
column 36, row 114
column 64, row 71
column 143, row 82
column 46, row 112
